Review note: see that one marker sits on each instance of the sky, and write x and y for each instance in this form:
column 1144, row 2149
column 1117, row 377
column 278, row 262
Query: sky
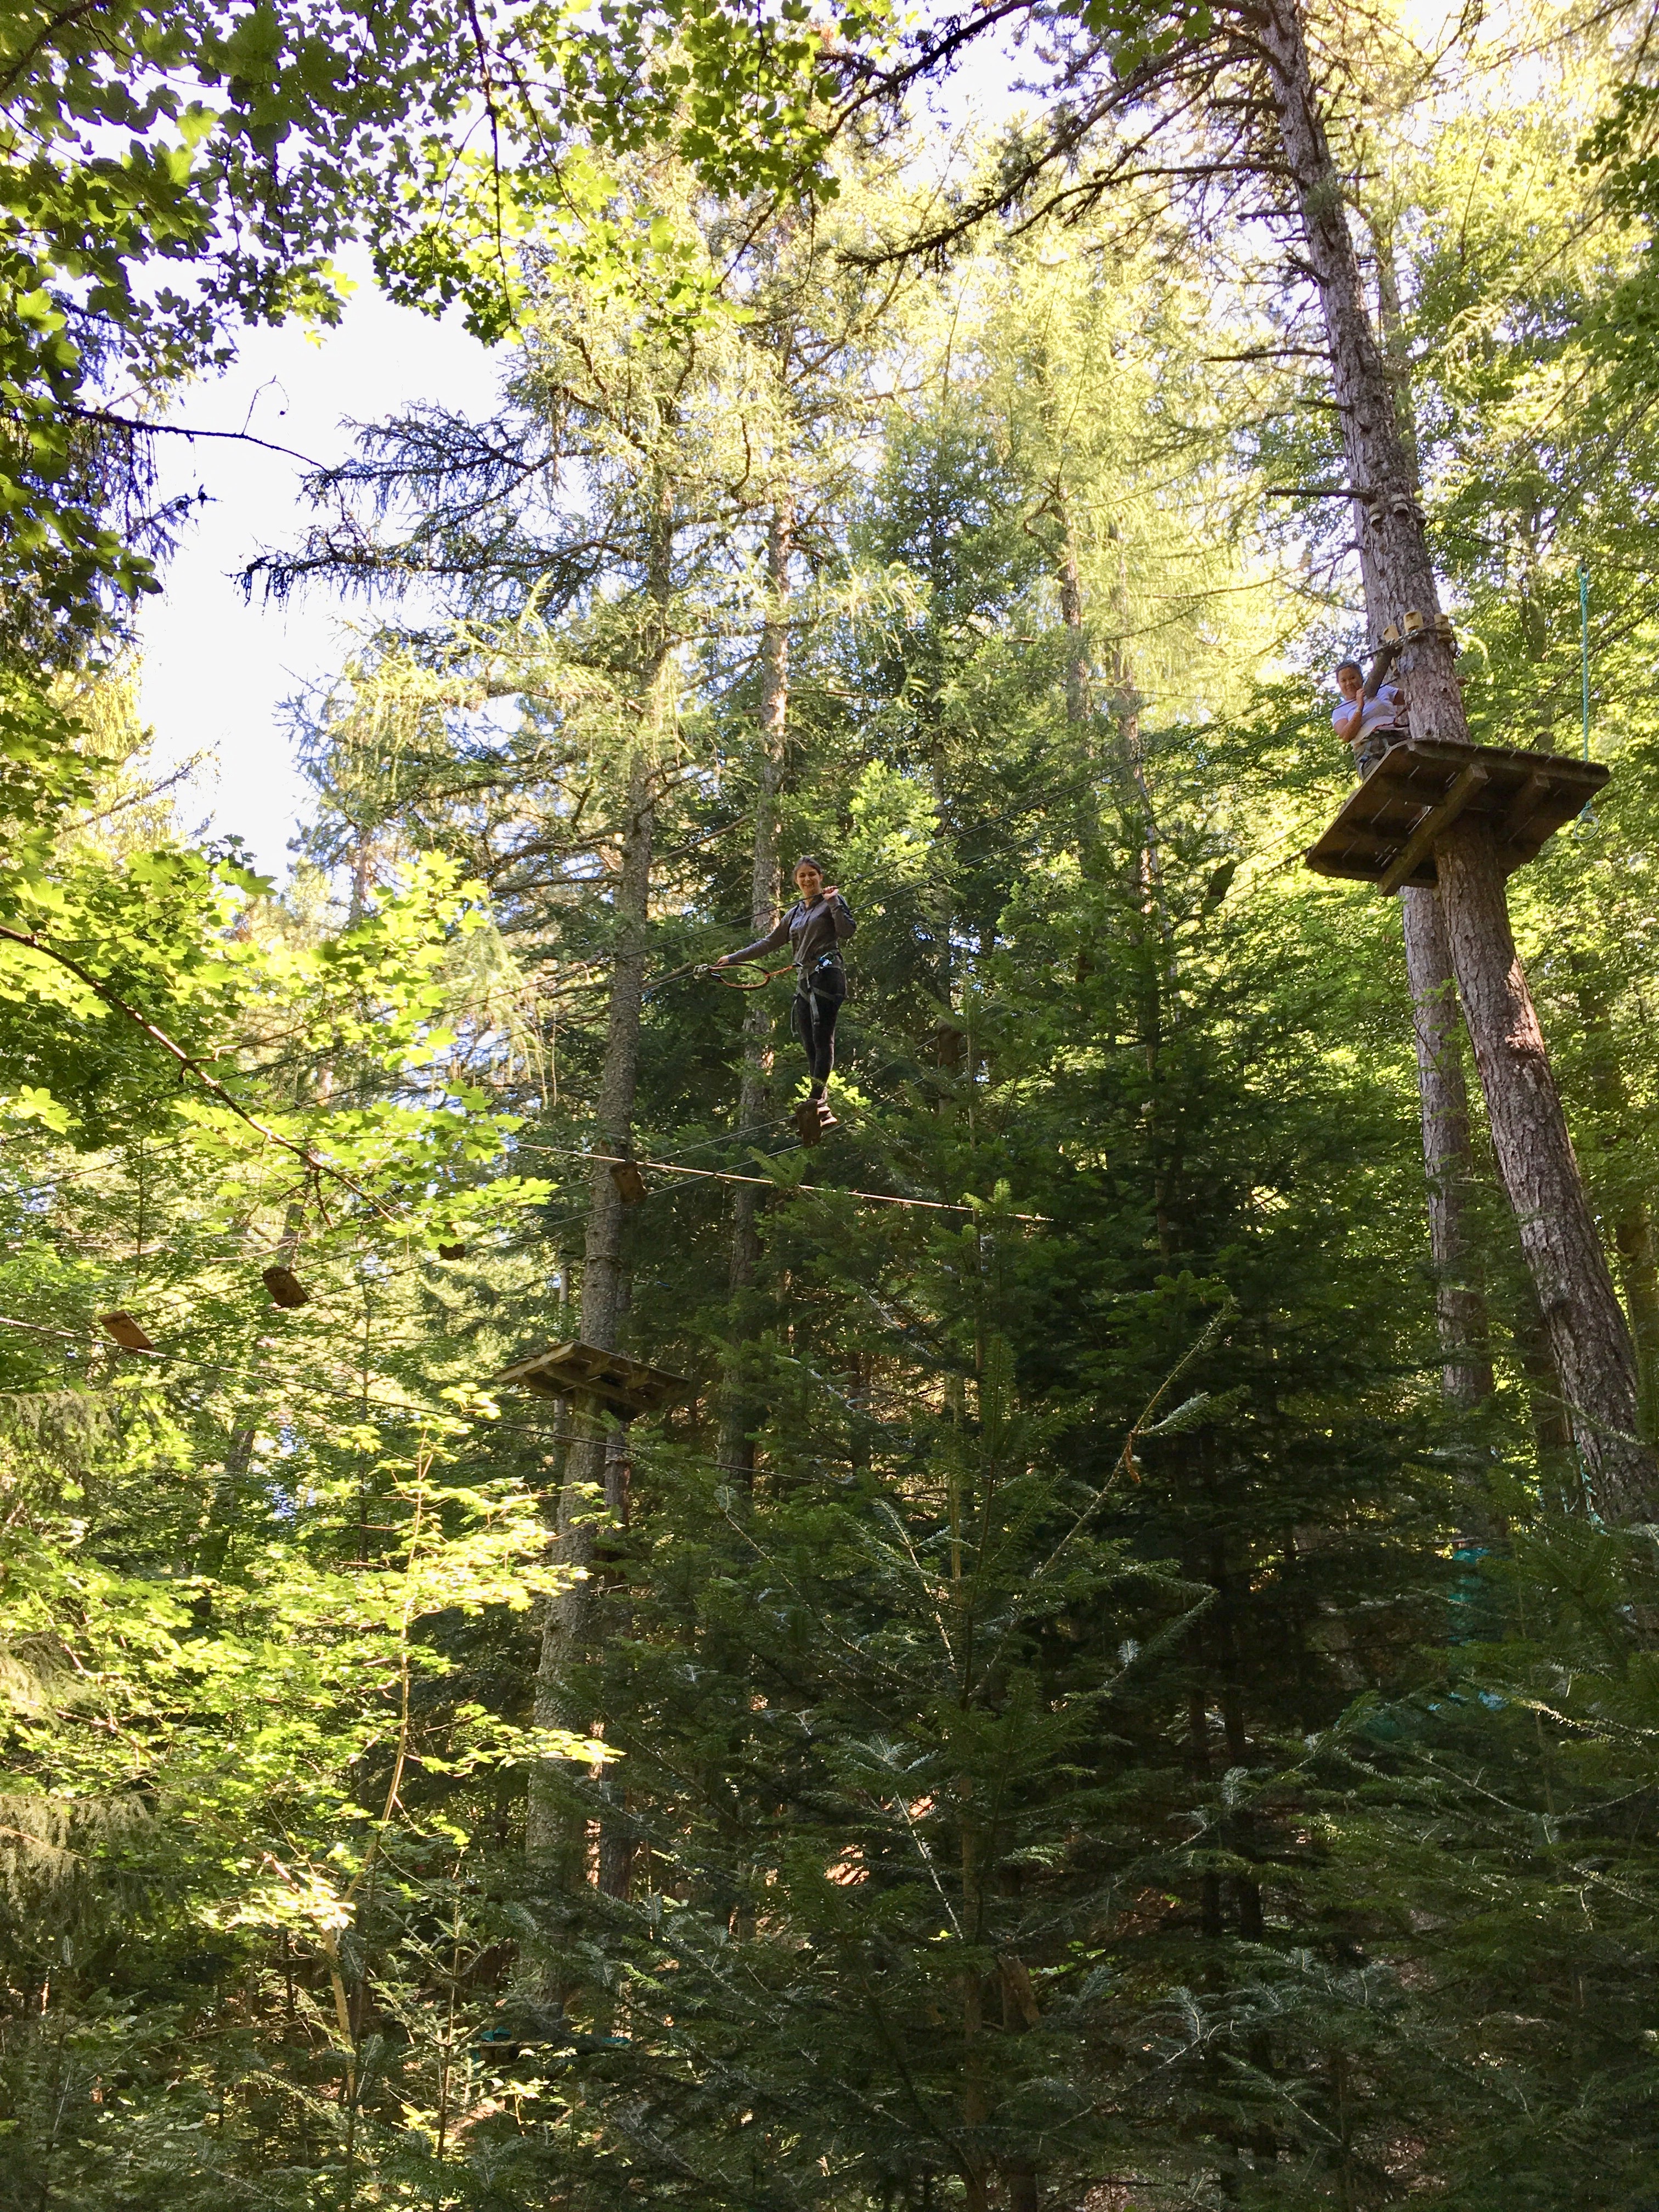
column 217, row 669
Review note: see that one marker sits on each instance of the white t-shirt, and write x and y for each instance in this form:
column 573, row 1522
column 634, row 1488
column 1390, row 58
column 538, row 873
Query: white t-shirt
column 1382, row 713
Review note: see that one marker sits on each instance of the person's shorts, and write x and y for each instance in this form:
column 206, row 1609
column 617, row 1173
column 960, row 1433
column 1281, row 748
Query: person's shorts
column 1367, row 754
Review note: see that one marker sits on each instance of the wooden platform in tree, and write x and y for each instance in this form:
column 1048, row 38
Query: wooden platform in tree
column 625, row 1387
column 1386, row 832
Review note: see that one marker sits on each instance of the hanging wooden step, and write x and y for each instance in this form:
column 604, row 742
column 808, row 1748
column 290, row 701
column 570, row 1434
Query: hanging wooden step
column 285, row 1287
column 1388, row 826
column 625, row 1387
column 630, row 1183
column 126, row 1331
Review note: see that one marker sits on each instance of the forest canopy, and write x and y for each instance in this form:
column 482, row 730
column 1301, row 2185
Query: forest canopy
column 1002, row 1557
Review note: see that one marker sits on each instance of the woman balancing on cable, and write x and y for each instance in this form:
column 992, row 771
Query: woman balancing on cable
column 814, row 929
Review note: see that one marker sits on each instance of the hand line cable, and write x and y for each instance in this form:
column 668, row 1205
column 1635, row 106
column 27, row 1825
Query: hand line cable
column 825, row 1190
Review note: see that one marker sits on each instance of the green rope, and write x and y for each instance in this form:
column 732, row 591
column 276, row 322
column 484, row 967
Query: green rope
column 1583, row 646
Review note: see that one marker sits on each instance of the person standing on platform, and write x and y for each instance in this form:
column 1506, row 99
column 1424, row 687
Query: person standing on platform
column 1371, row 715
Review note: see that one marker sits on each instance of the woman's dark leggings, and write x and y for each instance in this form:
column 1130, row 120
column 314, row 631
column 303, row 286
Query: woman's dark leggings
column 813, row 1018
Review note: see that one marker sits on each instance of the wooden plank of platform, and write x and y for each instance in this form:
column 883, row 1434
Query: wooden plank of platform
column 627, row 1387
column 1400, row 808
column 1433, row 826
column 1524, row 806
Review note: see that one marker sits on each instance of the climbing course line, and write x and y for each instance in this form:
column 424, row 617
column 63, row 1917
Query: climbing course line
column 825, row 1190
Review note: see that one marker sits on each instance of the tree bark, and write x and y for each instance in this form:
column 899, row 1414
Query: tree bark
column 225, row 1510
column 1582, row 1317
column 1080, row 705
column 569, row 1618
column 1390, row 526
column 1586, row 1328
column 1551, row 1435
column 737, row 1444
column 976, row 2100
column 947, row 1037
column 1395, row 346
column 1638, row 1274
column 616, row 1841
column 1159, row 974
column 1448, row 1158
column 1466, row 1375
column 1020, row 2014
column 1621, row 1198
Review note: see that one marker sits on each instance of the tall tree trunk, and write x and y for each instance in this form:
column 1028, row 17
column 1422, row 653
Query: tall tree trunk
column 737, row 1446
column 1078, row 703
column 1395, row 345
column 1587, row 1329
column 1552, row 1434
column 1638, row 1247
column 1448, row 1156
column 224, row 1512
column 616, row 1842
column 1624, row 1203
column 1466, row 1375
column 975, row 2098
column 947, row 1037
column 1158, row 973
column 1079, row 699
column 1380, row 473
column 568, row 1621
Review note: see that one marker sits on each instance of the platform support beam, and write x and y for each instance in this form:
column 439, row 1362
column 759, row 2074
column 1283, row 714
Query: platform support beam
column 1582, row 1314
column 1447, row 1157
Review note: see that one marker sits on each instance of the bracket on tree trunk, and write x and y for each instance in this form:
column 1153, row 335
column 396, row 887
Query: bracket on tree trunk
column 1387, row 829
column 625, row 1387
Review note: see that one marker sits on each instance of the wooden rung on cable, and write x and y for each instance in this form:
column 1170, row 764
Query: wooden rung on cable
column 125, row 1332
column 285, row 1287
column 630, row 1183
column 627, row 1387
